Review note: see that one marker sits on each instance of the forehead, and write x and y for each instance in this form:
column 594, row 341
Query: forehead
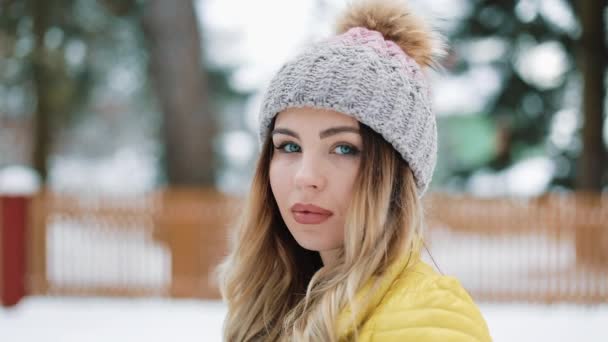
column 307, row 117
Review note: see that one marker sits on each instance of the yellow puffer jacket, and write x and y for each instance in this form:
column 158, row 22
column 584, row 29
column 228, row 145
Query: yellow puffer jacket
column 414, row 304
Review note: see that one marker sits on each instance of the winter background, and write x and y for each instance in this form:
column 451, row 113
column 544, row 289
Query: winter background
column 253, row 38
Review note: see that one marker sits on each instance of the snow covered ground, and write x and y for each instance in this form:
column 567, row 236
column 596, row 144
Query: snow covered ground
column 63, row 319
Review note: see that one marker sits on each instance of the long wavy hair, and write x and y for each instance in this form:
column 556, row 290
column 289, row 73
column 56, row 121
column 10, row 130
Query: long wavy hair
column 276, row 290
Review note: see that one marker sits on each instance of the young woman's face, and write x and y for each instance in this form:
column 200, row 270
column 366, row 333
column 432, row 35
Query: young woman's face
column 312, row 172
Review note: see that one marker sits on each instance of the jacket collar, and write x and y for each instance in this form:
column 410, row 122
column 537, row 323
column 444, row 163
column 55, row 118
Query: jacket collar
column 371, row 294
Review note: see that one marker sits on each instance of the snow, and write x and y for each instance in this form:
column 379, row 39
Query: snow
column 129, row 170
column 526, row 178
column 86, row 254
column 110, row 319
column 525, row 261
column 60, row 319
column 519, row 322
column 18, row 180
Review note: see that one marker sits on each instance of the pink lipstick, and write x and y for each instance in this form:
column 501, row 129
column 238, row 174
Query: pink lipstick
column 309, row 214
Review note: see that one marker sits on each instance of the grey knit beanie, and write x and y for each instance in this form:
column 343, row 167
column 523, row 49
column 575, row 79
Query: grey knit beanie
column 371, row 71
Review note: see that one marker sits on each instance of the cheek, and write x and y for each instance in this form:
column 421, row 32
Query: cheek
column 344, row 182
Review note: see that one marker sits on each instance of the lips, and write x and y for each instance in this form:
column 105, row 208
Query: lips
column 309, row 214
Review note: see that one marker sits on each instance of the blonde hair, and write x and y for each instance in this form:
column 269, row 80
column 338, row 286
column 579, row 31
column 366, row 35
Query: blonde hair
column 278, row 291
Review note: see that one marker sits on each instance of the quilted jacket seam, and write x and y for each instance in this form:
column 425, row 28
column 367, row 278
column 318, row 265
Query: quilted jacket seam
column 429, row 326
column 460, row 314
column 432, row 287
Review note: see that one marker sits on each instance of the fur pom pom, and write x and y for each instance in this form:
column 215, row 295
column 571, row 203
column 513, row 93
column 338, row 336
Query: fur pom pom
column 396, row 22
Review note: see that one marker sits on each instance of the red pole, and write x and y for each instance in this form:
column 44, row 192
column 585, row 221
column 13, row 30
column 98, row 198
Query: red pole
column 13, row 225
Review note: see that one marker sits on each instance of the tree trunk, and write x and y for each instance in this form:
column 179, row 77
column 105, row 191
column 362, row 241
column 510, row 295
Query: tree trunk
column 593, row 62
column 176, row 66
column 42, row 116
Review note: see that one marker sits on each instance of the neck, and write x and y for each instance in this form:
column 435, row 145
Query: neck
column 329, row 256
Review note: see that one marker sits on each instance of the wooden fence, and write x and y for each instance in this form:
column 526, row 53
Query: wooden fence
column 552, row 248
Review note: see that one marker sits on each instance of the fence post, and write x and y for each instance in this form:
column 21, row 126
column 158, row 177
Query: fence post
column 13, row 225
column 192, row 223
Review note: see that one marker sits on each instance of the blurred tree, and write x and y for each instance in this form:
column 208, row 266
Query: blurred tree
column 181, row 85
column 37, row 78
column 593, row 61
column 42, row 81
column 42, row 85
column 524, row 107
column 46, row 60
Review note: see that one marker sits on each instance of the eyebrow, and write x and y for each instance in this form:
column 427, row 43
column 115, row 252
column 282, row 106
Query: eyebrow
column 324, row 134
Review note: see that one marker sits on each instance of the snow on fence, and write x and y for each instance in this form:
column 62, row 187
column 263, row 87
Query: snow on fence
column 162, row 244
column 552, row 248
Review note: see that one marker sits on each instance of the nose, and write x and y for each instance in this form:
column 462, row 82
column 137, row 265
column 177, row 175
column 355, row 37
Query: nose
column 309, row 175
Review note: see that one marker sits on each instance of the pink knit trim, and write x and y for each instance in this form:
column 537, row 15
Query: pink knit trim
column 388, row 48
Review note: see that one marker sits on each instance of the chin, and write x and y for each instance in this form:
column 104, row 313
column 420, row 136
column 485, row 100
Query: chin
column 310, row 245
column 314, row 243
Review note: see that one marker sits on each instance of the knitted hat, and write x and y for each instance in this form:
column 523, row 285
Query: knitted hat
column 372, row 71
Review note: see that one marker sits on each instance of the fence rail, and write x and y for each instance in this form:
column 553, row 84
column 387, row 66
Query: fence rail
column 552, row 248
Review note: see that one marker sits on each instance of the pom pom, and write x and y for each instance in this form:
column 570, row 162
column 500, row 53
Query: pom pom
column 396, row 22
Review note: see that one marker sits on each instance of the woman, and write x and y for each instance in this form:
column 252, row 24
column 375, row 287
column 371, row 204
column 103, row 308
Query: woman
column 328, row 246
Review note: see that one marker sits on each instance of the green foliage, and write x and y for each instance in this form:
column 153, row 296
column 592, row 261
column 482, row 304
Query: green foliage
column 58, row 36
column 524, row 108
column 470, row 140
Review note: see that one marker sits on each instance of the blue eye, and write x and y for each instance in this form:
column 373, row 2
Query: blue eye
column 346, row 150
column 289, row 148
